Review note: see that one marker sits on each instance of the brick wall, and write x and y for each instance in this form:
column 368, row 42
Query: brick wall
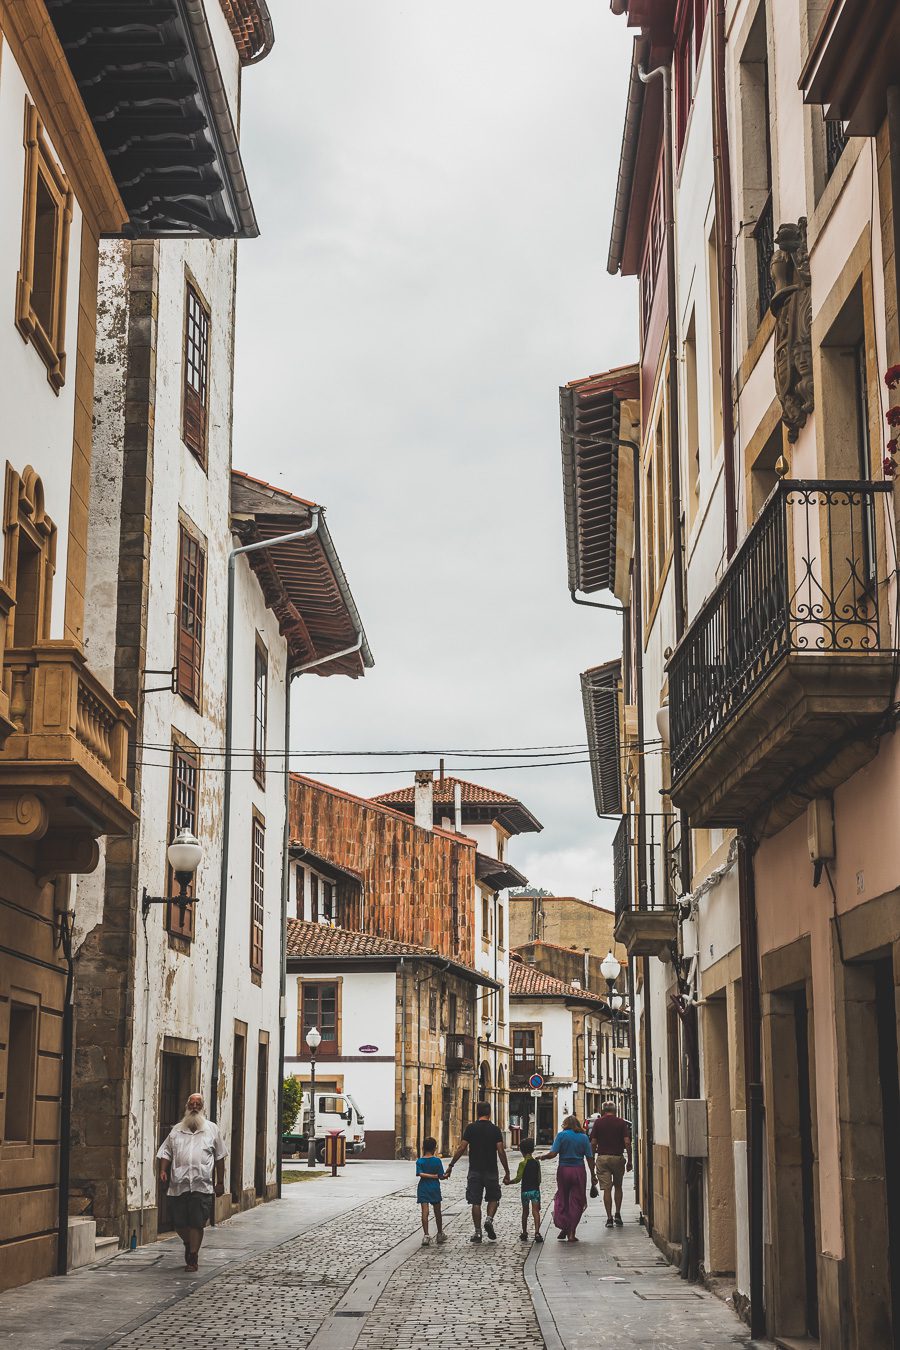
column 418, row 885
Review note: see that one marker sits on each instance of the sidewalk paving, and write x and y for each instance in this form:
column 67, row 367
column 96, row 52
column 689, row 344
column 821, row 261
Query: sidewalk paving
column 615, row 1289
column 100, row 1303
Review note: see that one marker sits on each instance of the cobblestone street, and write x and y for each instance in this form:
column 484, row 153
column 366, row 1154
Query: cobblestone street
column 338, row 1265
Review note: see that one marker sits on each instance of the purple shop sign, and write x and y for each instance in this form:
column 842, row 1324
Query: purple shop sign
column 368, row 1049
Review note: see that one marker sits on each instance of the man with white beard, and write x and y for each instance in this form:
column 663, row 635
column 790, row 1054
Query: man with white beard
column 187, row 1159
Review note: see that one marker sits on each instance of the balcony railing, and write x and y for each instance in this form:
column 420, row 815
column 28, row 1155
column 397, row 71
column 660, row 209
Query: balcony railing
column 620, row 1034
column 69, row 739
column 835, row 144
column 764, row 234
column 460, row 1051
column 803, row 594
column 657, row 839
column 522, row 1069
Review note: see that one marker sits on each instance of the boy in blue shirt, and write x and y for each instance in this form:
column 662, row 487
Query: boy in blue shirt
column 430, row 1170
column 529, row 1175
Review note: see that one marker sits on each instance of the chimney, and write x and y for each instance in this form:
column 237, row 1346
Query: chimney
column 457, row 807
column 425, row 798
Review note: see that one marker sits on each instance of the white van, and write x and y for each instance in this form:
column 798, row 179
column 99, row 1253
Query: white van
column 334, row 1111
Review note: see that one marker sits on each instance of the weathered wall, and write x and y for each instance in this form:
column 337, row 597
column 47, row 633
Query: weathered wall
column 419, row 884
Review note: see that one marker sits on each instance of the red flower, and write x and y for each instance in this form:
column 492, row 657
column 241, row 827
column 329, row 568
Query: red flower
column 892, row 377
column 893, row 417
column 888, row 467
column 891, row 446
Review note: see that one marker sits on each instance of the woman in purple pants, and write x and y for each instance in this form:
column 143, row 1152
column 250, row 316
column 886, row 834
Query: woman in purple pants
column 573, row 1148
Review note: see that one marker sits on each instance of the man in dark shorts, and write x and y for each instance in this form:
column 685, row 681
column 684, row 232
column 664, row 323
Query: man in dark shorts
column 190, row 1154
column 485, row 1145
column 611, row 1138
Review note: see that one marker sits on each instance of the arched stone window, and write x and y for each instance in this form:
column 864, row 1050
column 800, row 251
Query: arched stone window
column 29, row 558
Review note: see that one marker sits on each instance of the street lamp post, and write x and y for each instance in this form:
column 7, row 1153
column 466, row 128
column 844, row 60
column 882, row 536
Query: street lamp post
column 313, row 1040
column 611, row 969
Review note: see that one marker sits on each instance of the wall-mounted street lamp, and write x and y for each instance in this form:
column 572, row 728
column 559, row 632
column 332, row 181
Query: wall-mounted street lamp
column 184, row 854
column 313, row 1040
column 610, row 969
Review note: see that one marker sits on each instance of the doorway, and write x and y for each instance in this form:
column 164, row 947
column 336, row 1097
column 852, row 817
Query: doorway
column 176, row 1082
column 239, row 1076
column 886, row 1014
column 807, row 1163
column 262, row 1094
column 446, row 1109
column 427, row 1101
column 545, row 1122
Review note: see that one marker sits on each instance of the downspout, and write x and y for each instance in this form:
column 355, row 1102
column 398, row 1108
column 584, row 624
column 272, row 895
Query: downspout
column 418, row 1068
column 233, row 556
column 665, row 74
column 496, row 1017
column 753, row 1087
column 285, row 894
column 402, row 1057
column 725, row 268
column 65, row 1119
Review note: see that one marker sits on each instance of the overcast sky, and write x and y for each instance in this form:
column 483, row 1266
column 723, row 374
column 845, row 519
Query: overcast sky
column 434, row 183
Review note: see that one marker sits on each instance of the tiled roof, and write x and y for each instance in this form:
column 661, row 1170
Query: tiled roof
column 528, row 982
column 472, row 795
column 251, row 27
column 374, row 804
column 318, row 939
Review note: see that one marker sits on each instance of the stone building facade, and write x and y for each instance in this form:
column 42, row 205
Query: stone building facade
column 748, row 737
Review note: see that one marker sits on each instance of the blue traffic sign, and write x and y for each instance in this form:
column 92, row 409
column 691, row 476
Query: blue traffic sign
column 536, row 1081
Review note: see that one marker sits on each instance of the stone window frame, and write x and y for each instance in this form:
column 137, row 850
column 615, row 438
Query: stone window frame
column 24, row 514
column 42, row 169
column 325, row 1050
column 184, row 752
column 21, row 1148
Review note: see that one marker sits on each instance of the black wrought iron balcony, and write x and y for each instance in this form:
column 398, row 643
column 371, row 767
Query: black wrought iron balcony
column 646, row 882
column 788, row 667
column 620, row 1036
column 523, row 1069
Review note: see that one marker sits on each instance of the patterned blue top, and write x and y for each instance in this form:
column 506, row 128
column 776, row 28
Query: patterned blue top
column 429, row 1171
column 573, row 1147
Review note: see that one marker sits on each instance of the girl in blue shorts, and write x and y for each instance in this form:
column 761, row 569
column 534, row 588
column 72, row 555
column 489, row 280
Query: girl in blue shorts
column 430, row 1170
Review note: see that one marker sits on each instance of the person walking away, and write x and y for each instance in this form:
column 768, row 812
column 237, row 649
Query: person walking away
column 430, row 1170
column 528, row 1175
column 611, row 1139
column 484, row 1142
column 190, row 1154
column 573, row 1148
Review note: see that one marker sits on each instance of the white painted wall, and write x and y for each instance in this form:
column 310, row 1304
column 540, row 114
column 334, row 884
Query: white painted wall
column 38, row 423
column 368, row 1017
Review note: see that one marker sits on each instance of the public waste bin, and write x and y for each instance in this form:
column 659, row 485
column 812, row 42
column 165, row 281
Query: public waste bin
column 515, row 1135
column 335, row 1149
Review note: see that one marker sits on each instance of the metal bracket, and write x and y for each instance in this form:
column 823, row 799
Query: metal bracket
column 170, row 688
column 182, row 901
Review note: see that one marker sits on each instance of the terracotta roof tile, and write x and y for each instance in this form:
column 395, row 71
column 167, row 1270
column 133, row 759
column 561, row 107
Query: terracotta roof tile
column 318, row 939
column 528, row 982
column 472, row 794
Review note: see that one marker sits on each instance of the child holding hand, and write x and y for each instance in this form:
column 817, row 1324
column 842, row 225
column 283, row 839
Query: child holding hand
column 430, row 1171
column 529, row 1177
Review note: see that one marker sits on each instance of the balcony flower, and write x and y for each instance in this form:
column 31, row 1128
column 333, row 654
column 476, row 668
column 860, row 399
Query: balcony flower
column 892, row 377
column 888, row 466
column 892, row 417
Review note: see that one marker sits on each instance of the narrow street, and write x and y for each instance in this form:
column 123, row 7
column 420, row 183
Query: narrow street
column 338, row 1264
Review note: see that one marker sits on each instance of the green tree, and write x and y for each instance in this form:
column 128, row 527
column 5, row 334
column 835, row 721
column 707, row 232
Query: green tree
column 291, row 1099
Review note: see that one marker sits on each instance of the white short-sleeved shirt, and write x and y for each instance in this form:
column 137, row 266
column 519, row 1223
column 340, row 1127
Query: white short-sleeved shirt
column 192, row 1156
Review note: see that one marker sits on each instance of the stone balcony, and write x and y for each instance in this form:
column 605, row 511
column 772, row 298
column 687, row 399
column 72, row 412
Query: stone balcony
column 783, row 678
column 63, row 762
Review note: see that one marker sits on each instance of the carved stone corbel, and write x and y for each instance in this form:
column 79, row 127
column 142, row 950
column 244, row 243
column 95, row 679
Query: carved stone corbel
column 23, row 815
column 66, row 852
column 791, row 304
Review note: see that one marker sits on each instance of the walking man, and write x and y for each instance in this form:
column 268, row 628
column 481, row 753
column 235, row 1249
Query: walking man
column 611, row 1138
column 190, row 1154
column 484, row 1143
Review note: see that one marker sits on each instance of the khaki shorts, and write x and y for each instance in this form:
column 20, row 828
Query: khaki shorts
column 610, row 1169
